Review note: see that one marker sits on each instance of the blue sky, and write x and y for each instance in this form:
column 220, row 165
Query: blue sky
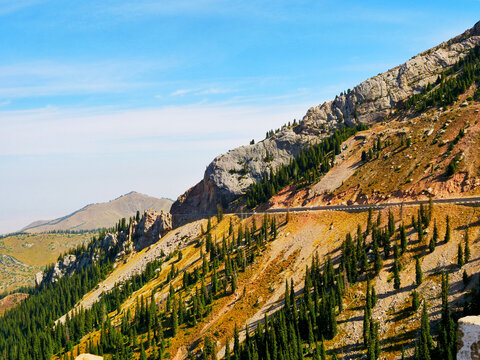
column 98, row 98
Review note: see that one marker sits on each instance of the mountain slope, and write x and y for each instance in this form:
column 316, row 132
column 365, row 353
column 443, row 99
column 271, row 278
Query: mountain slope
column 229, row 175
column 101, row 215
column 141, row 293
column 411, row 162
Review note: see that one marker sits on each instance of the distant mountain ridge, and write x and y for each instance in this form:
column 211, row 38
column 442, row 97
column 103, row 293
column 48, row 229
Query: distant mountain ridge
column 101, row 215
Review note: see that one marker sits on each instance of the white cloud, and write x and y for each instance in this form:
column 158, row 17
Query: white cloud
column 101, row 130
column 11, row 6
column 201, row 91
column 181, row 92
column 46, row 78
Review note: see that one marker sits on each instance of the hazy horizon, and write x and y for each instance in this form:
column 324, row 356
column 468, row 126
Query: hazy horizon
column 99, row 99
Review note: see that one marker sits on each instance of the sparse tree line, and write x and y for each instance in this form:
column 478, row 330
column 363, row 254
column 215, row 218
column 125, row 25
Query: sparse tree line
column 299, row 328
column 272, row 132
column 312, row 162
column 27, row 332
column 450, row 84
column 153, row 324
column 296, row 331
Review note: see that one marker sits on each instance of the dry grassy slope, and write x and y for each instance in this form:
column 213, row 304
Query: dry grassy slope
column 11, row 301
column 136, row 263
column 102, row 215
column 35, row 251
column 400, row 172
column 286, row 257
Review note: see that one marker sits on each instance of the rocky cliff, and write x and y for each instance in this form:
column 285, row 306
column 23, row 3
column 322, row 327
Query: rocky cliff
column 113, row 246
column 229, row 175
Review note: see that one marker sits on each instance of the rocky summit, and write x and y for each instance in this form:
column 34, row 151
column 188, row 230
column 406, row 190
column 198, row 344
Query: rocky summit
column 229, row 175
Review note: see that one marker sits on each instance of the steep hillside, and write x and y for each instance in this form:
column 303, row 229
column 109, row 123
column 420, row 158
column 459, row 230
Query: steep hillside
column 410, row 157
column 376, row 99
column 191, row 301
column 263, row 284
column 102, row 215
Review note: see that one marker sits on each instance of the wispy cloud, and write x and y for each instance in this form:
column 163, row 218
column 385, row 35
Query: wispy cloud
column 181, row 92
column 79, row 131
column 201, row 91
column 9, row 6
column 276, row 11
column 46, row 78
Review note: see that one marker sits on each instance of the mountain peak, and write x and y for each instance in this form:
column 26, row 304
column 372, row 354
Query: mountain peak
column 101, row 215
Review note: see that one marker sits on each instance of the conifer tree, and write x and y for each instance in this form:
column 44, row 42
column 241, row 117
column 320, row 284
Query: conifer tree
column 323, row 352
column 143, row 355
column 403, row 239
column 447, row 337
column 466, row 254
column 209, row 349
column 209, row 224
column 236, row 343
column 367, row 313
column 373, row 349
column 316, row 353
column 219, row 213
column 447, row 230
column 366, row 325
column 425, row 342
column 460, row 255
column 374, row 297
column 415, row 301
column 378, row 262
column 434, row 239
column 418, row 272
column 174, row 319
column 391, row 224
column 396, row 275
column 287, row 295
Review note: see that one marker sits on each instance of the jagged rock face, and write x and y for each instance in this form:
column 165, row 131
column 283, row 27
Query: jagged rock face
column 149, row 230
column 230, row 174
column 376, row 98
column 225, row 179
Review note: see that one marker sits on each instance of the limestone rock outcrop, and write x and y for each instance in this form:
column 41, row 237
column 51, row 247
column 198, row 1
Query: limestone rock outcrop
column 229, row 175
column 151, row 227
column 468, row 339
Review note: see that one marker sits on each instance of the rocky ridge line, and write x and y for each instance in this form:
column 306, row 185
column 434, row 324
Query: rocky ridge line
column 229, row 175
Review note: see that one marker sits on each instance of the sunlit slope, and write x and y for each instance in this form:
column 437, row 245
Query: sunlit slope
column 259, row 290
